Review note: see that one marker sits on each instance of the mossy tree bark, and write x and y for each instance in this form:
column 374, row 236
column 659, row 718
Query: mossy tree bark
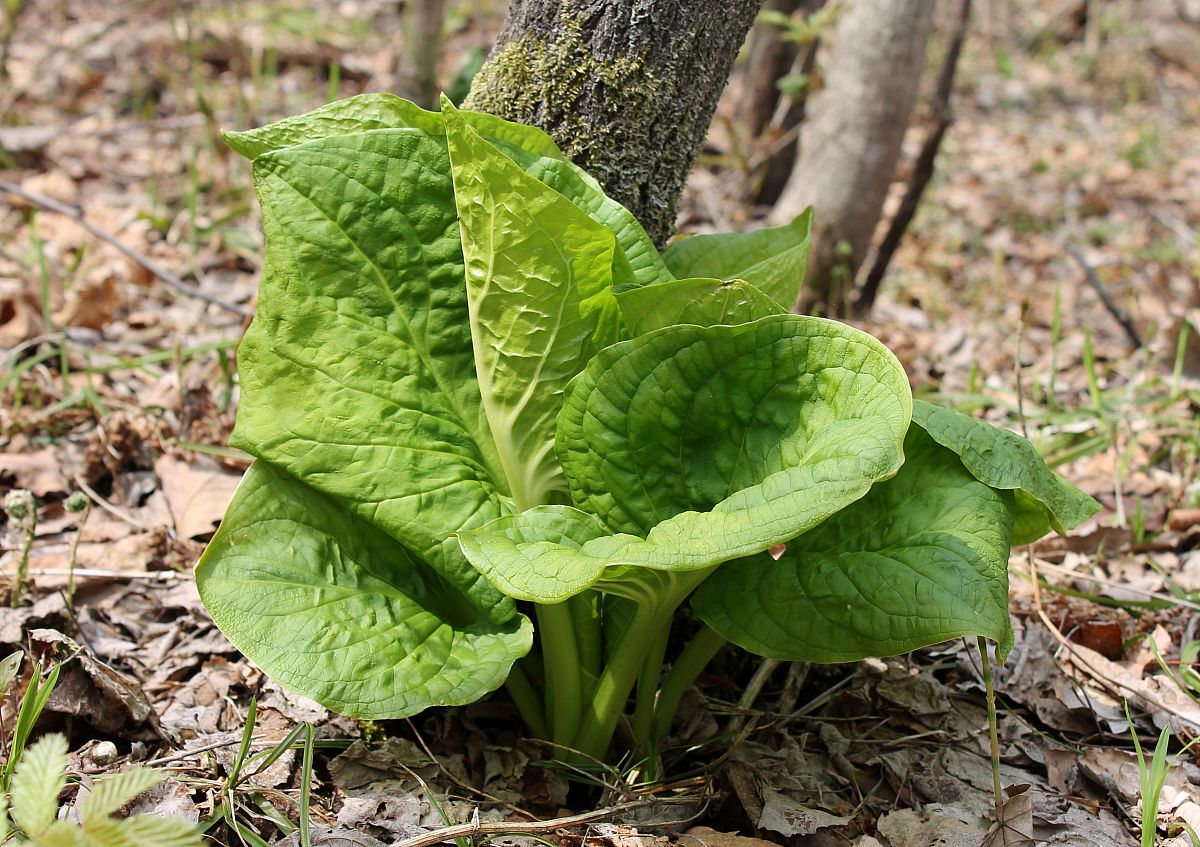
column 626, row 87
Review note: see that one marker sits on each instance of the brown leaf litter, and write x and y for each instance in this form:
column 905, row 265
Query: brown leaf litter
column 1055, row 145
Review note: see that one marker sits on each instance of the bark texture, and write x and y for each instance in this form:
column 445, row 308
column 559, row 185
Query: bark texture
column 627, row 88
column 851, row 139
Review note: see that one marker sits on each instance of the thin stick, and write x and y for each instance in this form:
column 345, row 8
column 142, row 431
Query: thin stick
column 1108, row 583
column 1121, row 317
column 922, row 168
column 49, row 204
column 107, row 506
column 750, row 694
column 97, row 573
column 476, row 828
column 994, row 736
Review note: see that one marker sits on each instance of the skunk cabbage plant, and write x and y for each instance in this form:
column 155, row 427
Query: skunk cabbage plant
column 479, row 398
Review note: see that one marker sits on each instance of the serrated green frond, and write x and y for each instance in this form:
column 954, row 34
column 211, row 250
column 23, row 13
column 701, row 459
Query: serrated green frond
column 107, row 832
column 37, row 782
column 113, row 792
column 61, row 834
column 161, row 831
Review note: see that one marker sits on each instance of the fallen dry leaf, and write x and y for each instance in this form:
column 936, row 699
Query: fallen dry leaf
column 20, row 317
column 1015, row 827
column 92, row 302
column 782, row 815
column 907, row 828
column 107, row 699
column 198, row 492
column 703, row 836
column 37, row 471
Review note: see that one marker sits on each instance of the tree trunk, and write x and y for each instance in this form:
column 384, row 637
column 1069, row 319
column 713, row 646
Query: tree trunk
column 851, row 141
column 626, row 87
column 768, row 57
column 417, row 65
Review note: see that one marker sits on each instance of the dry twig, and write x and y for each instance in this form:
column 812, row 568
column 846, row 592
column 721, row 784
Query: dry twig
column 49, row 204
column 1093, row 279
column 476, row 828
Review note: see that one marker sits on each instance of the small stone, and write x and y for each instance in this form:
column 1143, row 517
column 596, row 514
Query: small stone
column 104, row 753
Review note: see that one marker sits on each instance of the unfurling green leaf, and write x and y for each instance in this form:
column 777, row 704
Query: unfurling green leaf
column 539, row 293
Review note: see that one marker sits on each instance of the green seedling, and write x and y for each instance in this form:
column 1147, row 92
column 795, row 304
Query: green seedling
column 1153, row 775
column 32, row 706
column 306, row 775
column 473, row 382
column 239, row 801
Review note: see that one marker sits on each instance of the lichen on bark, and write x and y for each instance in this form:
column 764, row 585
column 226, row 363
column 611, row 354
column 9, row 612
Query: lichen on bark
column 626, row 87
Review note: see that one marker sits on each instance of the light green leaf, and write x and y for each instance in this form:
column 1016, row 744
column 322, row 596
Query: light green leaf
column 10, row 665
column 332, row 607
column 357, row 374
column 772, row 259
column 38, row 780
column 374, row 111
column 112, row 792
column 697, row 445
column 107, row 832
column 539, row 293
column 1005, row 460
column 705, row 302
column 727, row 420
column 921, row 559
column 67, row 834
column 637, row 261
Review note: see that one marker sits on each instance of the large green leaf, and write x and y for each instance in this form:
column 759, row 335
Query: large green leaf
column 357, row 373
column 637, row 261
column 368, row 112
column 696, row 445
column 329, row 605
column 1005, row 460
column 773, row 259
column 776, row 415
column 705, row 302
column 539, row 292
column 921, row 559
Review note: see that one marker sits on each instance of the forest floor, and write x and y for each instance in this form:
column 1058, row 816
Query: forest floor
column 1071, row 150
